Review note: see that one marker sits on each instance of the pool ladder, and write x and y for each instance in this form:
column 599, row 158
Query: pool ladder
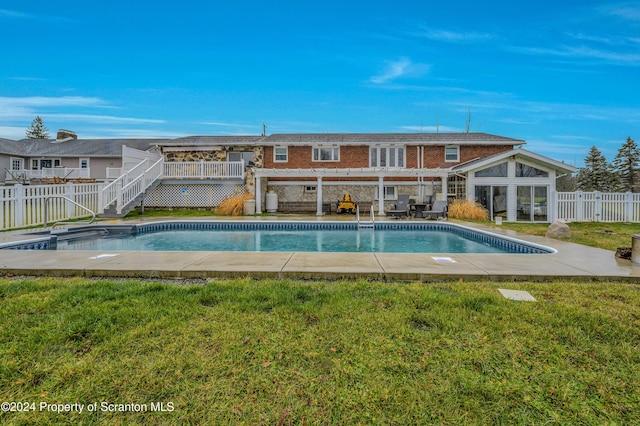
column 368, row 224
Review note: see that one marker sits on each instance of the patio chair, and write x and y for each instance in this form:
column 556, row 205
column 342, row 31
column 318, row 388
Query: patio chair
column 438, row 209
column 402, row 207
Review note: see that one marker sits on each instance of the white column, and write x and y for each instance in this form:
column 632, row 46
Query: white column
column 258, row 196
column 319, row 197
column 444, row 188
column 380, row 195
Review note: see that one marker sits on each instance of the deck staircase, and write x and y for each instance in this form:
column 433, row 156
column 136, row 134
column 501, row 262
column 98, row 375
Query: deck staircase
column 128, row 191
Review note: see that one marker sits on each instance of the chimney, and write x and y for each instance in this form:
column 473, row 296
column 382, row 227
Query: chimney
column 66, row 135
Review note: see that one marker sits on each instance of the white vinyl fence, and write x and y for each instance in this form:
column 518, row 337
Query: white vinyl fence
column 23, row 205
column 597, row 207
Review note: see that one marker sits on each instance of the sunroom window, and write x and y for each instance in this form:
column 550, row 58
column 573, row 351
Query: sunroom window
column 524, row 170
column 499, row 170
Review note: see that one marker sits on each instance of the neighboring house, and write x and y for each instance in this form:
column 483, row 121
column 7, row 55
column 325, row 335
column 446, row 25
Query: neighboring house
column 32, row 160
column 311, row 172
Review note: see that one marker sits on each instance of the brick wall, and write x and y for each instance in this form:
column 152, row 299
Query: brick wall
column 358, row 156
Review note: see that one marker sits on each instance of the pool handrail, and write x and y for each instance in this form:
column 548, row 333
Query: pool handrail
column 46, row 212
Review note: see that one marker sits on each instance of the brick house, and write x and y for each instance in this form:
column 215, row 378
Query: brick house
column 310, row 172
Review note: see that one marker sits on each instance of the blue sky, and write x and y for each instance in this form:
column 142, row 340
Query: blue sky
column 564, row 76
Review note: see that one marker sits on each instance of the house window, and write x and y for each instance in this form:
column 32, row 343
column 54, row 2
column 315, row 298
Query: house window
column 17, row 163
column 280, row 154
column 34, row 164
column 499, row 170
column 452, row 153
column 524, row 170
column 386, row 157
column 311, row 188
column 84, row 163
column 390, row 193
column 57, row 162
column 326, row 154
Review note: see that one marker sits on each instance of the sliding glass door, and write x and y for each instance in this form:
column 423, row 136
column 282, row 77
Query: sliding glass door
column 494, row 199
column 532, row 203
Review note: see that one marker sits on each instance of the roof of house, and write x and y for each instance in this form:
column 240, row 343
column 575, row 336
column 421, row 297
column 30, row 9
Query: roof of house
column 391, row 138
column 113, row 147
column 478, row 163
column 74, row 148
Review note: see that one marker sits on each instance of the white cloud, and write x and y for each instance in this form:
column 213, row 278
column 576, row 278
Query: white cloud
column 626, row 11
column 453, row 36
column 43, row 101
column 397, row 69
column 430, row 129
column 12, row 132
column 582, row 52
column 104, row 118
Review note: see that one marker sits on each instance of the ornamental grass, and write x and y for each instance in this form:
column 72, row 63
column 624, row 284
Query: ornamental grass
column 234, row 205
column 465, row 209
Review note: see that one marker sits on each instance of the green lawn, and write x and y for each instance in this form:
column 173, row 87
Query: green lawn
column 608, row 236
column 287, row 352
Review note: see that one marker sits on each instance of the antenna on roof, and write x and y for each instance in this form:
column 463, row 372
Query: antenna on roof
column 264, row 129
column 468, row 120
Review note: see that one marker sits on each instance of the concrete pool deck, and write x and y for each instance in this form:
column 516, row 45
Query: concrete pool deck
column 572, row 261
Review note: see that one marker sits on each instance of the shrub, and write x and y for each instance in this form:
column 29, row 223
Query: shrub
column 465, row 209
column 233, row 205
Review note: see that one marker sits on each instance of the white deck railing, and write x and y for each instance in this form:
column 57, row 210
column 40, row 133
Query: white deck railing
column 55, row 172
column 204, row 170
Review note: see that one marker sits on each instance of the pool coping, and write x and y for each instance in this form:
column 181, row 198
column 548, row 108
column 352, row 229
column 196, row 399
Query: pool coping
column 570, row 262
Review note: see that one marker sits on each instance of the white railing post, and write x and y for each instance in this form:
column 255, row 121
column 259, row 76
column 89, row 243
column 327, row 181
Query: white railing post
column 579, row 205
column 598, row 209
column 628, row 207
column 69, row 193
column 19, row 205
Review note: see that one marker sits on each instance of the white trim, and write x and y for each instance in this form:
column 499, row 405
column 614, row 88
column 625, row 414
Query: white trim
column 519, row 153
column 346, row 172
column 333, row 183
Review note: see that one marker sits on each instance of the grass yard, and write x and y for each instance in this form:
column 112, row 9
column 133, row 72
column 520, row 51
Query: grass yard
column 287, row 352
column 608, row 236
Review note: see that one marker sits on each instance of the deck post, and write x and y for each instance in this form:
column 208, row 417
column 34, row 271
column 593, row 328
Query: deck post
column 319, row 197
column 381, row 195
column 258, row 196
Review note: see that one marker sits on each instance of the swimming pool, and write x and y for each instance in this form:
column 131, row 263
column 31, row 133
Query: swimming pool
column 287, row 236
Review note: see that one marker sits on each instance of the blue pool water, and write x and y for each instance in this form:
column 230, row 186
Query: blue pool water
column 304, row 237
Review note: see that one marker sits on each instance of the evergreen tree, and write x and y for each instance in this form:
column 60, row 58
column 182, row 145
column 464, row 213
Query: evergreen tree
column 37, row 130
column 625, row 166
column 596, row 174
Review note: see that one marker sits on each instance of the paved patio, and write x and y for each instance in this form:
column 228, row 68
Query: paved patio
column 572, row 261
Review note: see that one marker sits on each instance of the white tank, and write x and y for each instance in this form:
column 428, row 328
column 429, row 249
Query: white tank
column 271, row 202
